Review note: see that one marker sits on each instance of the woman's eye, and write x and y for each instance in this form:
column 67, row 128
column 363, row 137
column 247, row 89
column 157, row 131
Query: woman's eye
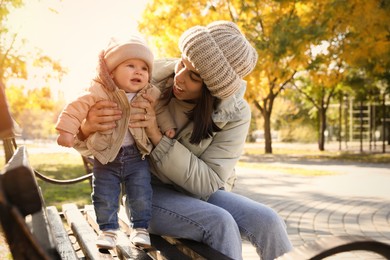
column 195, row 77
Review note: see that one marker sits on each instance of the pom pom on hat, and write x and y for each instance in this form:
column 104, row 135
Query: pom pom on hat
column 221, row 54
column 134, row 48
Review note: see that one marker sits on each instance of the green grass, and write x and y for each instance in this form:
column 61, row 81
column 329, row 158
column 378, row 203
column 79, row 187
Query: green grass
column 60, row 166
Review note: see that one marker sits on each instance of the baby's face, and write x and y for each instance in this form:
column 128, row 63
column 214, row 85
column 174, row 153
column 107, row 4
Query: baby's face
column 131, row 75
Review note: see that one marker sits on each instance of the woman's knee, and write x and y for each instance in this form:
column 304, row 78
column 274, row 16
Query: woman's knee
column 262, row 222
column 273, row 219
column 222, row 221
column 222, row 224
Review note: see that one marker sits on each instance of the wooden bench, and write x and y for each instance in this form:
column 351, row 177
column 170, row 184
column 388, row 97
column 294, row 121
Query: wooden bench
column 36, row 231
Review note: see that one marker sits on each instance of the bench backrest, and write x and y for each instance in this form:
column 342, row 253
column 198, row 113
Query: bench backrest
column 23, row 215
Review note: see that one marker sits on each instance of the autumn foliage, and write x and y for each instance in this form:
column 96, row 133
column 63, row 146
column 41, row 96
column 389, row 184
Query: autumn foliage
column 320, row 40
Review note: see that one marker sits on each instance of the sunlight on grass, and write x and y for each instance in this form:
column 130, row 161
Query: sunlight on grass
column 62, row 166
column 288, row 170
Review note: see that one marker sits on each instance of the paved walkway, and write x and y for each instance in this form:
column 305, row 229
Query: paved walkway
column 354, row 201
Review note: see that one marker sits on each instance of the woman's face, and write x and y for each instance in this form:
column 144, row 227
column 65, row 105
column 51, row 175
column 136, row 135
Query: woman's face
column 187, row 82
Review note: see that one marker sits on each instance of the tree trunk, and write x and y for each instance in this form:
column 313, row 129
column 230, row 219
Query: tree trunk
column 266, row 111
column 322, row 128
column 340, row 121
column 267, row 132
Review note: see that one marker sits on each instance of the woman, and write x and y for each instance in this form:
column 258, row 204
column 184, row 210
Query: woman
column 195, row 169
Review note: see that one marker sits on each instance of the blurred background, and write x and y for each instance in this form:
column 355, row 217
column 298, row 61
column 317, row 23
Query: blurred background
column 322, row 77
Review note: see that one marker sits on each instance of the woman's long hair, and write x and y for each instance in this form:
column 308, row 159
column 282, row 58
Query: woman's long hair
column 204, row 126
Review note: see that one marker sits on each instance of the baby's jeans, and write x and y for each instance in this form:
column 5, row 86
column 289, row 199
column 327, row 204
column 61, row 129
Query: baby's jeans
column 130, row 172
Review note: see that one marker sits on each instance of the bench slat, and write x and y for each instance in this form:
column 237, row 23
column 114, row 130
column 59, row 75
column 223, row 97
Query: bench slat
column 84, row 233
column 62, row 241
column 39, row 227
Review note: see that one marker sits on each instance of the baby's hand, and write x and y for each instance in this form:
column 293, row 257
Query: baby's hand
column 65, row 139
column 170, row 133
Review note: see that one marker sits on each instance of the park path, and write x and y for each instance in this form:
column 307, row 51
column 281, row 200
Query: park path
column 353, row 201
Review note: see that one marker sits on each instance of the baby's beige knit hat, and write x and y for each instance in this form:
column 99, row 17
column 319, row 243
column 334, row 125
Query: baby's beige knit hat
column 119, row 51
column 134, row 48
column 221, row 54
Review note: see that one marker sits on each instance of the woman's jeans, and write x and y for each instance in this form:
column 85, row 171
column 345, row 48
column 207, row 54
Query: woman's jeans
column 129, row 171
column 220, row 222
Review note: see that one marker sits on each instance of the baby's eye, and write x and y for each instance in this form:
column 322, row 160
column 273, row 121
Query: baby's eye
column 130, row 65
column 145, row 68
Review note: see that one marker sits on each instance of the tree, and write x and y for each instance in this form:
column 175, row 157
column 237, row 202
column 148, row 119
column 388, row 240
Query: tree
column 355, row 37
column 273, row 27
column 14, row 63
column 11, row 64
column 32, row 108
column 364, row 29
column 319, row 89
column 285, row 33
column 165, row 20
column 281, row 37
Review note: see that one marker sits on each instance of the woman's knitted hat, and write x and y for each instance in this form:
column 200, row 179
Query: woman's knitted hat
column 134, row 48
column 221, row 54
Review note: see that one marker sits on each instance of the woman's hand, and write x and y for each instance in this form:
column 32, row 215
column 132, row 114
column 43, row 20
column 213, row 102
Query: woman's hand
column 147, row 119
column 101, row 117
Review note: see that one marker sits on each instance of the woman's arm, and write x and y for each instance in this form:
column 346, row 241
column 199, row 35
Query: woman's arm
column 201, row 170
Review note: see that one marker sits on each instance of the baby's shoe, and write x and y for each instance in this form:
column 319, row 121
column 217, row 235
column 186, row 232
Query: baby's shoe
column 107, row 239
column 140, row 237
